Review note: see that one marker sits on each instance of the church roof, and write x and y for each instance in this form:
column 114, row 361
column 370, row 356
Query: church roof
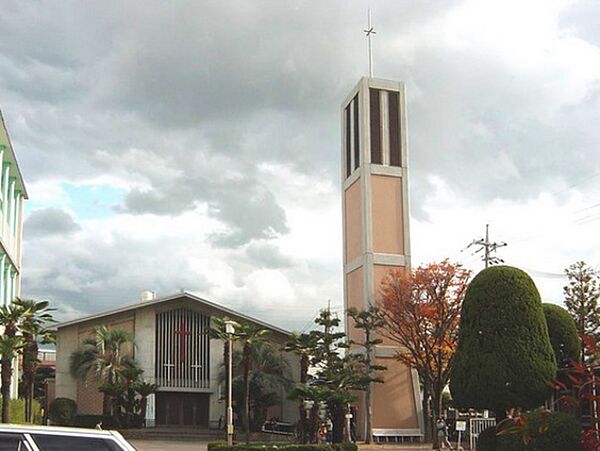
column 183, row 295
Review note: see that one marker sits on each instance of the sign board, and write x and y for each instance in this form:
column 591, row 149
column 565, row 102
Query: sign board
column 461, row 426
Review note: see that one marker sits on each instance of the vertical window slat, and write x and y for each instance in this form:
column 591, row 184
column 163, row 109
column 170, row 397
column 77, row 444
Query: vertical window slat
column 394, row 128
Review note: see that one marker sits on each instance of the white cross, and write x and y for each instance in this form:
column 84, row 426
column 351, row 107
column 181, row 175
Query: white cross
column 196, row 368
column 169, row 367
column 370, row 31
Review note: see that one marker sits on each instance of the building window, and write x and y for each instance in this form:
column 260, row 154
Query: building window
column 394, row 128
column 375, row 119
column 182, row 349
column 356, row 133
column 348, row 142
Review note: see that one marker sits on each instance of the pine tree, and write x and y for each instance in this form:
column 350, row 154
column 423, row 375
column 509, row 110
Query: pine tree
column 581, row 298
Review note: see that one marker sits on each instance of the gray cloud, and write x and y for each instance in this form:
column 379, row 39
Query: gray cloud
column 48, row 222
column 189, row 100
column 266, row 255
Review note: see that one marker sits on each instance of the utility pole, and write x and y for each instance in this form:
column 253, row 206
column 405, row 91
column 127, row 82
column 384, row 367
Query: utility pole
column 488, row 249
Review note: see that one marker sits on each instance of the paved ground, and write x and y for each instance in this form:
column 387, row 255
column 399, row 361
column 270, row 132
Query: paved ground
column 160, row 445
column 168, row 445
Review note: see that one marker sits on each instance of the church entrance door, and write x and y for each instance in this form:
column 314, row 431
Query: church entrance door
column 182, row 409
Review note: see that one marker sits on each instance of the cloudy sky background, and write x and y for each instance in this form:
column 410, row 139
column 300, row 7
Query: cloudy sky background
column 195, row 145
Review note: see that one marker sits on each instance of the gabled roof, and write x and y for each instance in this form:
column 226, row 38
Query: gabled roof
column 183, row 295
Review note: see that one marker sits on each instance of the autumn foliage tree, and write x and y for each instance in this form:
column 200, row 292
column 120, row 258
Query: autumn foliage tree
column 422, row 313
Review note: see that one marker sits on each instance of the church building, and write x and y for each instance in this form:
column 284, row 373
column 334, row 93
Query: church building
column 12, row 196
column 175, row 352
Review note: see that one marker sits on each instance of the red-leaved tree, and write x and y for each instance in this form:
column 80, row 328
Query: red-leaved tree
column 422, row 313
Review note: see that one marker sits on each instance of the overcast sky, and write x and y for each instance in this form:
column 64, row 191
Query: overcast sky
column 195, row 145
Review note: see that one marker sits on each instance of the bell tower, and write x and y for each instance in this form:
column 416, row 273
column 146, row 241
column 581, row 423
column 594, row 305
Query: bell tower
column 377, row 235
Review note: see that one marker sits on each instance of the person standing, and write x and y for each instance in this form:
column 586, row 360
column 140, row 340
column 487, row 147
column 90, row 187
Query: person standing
column 442, row 433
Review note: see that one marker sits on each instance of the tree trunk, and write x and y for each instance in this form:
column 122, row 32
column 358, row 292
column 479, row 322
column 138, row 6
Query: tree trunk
column 247, row 392
column 5, row 388
column 303, row 420
column 368, row 414
column 143, row 407
column 105, row 404
column 338, row 417
column 436, row 412
column 427, row 420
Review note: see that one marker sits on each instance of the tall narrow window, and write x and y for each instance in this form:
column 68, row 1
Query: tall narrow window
column 348, row 142
column 356, row 134
column 394, row 128
column 375, row 114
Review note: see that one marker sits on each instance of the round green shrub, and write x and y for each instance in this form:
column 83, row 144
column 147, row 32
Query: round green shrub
column 504, row 357
column 563, row 334
column 62, row 411
column 546, row 431
column 487, row 439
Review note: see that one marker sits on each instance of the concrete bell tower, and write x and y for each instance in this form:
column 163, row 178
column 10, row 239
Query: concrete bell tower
column 377, row 236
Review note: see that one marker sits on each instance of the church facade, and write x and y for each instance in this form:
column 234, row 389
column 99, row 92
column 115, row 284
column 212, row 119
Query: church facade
column 175, row 352
column 12, row 196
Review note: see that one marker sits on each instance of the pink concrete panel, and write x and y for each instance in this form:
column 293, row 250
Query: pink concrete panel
column 394, row 401
column 388, row 225
column 355, row 297
column 353, row 222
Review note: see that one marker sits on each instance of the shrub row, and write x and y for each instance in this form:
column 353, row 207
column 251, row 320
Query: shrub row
column 555, row 432
column 16, row 409
column 222, row 446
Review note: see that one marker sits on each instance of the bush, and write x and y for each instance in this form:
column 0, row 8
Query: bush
column 487, row 440
column 16, row 411
column 222, row 446
column 90, row 421
column 563, row 334
column 504, row 357
column 62, row 411
column 547, row 432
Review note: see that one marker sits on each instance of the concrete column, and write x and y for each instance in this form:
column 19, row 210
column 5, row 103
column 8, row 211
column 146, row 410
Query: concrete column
column 15, row 215
column 10, row 213
column 5, row 176
column 7, row 287
column 19, row 236
column 2, row 280
column 13, row 280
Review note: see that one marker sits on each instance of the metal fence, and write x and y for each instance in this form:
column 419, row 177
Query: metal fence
column 476, row 426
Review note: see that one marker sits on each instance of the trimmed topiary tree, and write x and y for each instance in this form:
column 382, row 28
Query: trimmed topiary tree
column 504, row 358
column 62, row 411
column 563, row 334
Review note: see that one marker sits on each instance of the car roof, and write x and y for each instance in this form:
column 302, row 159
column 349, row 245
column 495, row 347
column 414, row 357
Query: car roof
column 53, row 430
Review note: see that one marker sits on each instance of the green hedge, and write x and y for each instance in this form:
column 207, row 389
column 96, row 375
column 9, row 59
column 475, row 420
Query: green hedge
column 222, row 446
column 62, row 411
column 548, row 432
column 90, row 421
column 17, row 411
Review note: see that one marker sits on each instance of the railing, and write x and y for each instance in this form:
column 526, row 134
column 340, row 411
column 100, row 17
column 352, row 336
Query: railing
column 181, row 383
column 8, row 239
column 476, row 427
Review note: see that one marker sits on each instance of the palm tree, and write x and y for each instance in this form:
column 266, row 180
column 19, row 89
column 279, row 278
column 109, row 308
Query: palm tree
column 10, row 317
column 9, row 350
column 144, row 389
column 101, row 357
column 34, row 329
column 269, row 375
column 249, row 335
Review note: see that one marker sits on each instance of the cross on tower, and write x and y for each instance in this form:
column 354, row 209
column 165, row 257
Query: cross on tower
column 368, row 32
column 183, row 334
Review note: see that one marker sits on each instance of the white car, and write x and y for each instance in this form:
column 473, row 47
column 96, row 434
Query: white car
column 52, row 438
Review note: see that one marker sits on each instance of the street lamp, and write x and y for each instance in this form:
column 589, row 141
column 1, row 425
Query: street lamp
column 229, row 330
